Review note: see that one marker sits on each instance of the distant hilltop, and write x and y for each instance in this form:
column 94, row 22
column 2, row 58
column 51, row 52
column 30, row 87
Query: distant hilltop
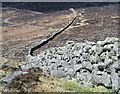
column 52, row 6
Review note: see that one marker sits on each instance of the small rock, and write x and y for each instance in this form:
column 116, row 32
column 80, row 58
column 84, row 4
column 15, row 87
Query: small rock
column 51, row 83
column 3, row 65
column 86, row 85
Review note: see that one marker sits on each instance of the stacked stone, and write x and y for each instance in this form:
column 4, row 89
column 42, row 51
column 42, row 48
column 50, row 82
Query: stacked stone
column 91, row 62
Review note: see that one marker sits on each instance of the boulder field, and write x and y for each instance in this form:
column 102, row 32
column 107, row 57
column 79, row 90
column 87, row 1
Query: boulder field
column 90, row 62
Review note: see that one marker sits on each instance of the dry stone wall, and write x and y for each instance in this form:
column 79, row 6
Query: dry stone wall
column 96, row 63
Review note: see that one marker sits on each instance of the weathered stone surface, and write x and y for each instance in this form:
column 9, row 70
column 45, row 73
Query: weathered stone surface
column 66, row 66
column 87, row 65
column 101, row 66
column 108, row 62
column 11, row 75
column 77, row 67
column 71, row 73
column 60, row 52
column 99, row 72
column 115, row 81
column 86, row 76
column 57, row 73
column 66, row 56
column 115, row 65
column 106, row 80
column 85, row 55
column 76, row 53
column 96, row 79
column 72, row 63
column 53, row 67
column 94, row 59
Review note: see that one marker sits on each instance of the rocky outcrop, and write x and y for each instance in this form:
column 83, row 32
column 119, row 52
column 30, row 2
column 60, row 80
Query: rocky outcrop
column 96, row 63
column 89, row 62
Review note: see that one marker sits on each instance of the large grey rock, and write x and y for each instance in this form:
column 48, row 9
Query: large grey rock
column 58, row 56
column 72, row 63
column 57, row 73
column 114, row 58
column 60, row 52
column 66, row 66
column 106, row 80
column 110, row 46
column 53, row 60
column 87, row 65
column 99, row 50
column 96, row 79
column 103, row 55
column 111, row 39
column 115, row 81
column 76, row 53
column 39, row 60
column 74, row 48
column 108, row 62
column 101, row 66
column 66, row 57
column 86, row 48
column 85, row 76
column 119, row 92
column 99, row 72
column 77, row 67
column 82, row 59
column 94, row 48
column 95, row 67
column 119, row 73
column 71, row 72
column 64, row 49
column 69, row 44
column 59, row 62
column 101, row 43
column 115, row 65
column 85, row 55
column 53, row 67
column 94, row 58
column 11, row 75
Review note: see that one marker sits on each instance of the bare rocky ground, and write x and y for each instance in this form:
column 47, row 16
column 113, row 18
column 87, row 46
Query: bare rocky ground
column 22, row 30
